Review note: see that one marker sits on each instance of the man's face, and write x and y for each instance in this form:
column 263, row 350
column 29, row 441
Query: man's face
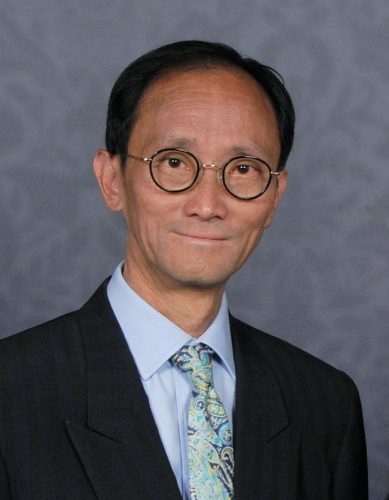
column 200, row 237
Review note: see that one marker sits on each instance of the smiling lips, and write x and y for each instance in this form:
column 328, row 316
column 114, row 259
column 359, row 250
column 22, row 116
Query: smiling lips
column 204, row 236
column 203, row 233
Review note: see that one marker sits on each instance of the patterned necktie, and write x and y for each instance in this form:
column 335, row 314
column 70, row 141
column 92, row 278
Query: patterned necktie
column 210, row 452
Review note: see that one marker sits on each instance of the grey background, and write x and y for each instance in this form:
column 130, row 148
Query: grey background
column 320, row 278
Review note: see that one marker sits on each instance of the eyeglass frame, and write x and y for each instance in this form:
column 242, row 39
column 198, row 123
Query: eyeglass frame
column 200, row 170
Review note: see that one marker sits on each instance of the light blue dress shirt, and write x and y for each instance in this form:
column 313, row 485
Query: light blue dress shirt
column 152, row 340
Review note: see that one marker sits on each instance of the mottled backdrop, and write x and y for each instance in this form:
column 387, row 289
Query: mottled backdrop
column 321, row 277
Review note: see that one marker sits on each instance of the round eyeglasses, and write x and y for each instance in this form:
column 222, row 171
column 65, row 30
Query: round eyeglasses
column 176, row 170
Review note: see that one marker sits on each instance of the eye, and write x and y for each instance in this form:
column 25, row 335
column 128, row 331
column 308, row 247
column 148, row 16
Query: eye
column 248, row 168
column 174, row 162
column 243, row 168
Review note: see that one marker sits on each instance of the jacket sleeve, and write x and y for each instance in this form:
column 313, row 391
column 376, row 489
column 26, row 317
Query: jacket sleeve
column 350, row 474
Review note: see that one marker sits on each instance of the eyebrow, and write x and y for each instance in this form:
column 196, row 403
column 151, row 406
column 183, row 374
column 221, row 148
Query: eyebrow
column 249, row 149
column 179, row 142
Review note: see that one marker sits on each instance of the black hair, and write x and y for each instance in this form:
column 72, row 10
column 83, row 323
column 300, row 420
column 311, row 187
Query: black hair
column 129, row 88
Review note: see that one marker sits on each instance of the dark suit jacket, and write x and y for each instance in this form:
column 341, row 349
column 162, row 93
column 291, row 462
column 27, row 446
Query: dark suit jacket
column 75, row 422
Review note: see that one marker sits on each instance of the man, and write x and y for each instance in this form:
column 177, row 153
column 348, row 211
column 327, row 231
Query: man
column 151, row 390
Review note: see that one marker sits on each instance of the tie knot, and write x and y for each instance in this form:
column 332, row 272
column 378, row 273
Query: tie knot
column 196, row 360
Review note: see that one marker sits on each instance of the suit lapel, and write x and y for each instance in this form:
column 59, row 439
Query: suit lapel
column 120, row 446
column 266, row 442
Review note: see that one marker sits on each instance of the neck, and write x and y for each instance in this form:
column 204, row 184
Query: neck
column 191, row 308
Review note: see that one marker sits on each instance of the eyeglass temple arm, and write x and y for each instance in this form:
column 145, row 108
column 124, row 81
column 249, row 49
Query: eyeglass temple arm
column 140, row 158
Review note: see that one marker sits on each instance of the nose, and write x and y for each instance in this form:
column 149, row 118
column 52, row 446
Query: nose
column 207, row 199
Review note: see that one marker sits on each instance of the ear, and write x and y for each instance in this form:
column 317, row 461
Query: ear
column 282, row 181
column 107, row 170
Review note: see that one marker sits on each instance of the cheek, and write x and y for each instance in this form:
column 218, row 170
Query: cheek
column 261, row 217
column 253, row 237
column 147, row 216
column 253, row 232
column 141, row 224
column 137, row 198
column 132, row 211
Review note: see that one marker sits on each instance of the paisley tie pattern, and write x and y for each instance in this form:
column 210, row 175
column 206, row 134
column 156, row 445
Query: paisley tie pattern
column 210, row 452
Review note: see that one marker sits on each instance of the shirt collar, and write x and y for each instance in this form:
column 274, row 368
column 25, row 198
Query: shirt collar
column 153, row 339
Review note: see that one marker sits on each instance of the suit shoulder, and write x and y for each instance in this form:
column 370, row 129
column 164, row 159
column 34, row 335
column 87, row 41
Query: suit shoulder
column 311, row 388
column 60, row 328
column 40, row 348
column 53, row 346
column 289, row 359
column 38, row 333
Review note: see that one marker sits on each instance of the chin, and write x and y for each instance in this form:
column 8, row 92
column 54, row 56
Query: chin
column 202, row 279
column 194, row 271
column 203, row 284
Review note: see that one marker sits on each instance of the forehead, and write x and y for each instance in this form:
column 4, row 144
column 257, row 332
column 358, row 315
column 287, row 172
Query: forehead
column 203, row 105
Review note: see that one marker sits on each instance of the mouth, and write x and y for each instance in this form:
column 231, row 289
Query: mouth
column 205, row 237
